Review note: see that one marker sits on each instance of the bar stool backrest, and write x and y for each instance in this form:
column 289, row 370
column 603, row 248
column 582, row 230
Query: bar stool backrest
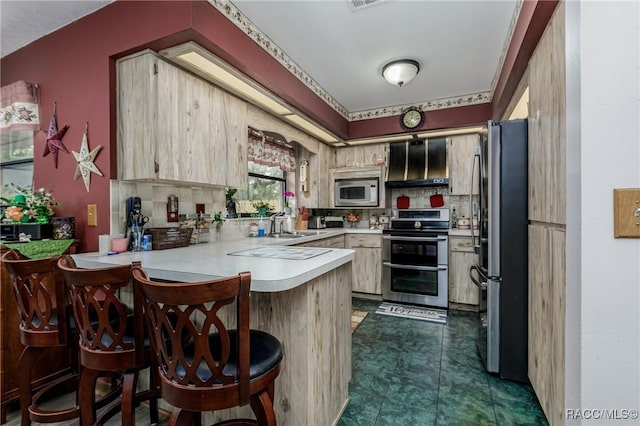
column 39, row 292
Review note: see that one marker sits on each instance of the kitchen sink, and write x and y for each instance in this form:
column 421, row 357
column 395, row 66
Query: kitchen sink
column 297, row 234
column 283, row 235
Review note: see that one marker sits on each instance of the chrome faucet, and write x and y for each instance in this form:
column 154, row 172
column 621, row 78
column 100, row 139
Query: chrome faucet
column 272, row 218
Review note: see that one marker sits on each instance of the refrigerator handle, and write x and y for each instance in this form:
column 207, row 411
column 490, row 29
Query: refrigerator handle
column 481, row 280
column 476, row 154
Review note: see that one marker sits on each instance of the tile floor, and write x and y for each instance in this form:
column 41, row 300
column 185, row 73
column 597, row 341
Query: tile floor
column 415, row 373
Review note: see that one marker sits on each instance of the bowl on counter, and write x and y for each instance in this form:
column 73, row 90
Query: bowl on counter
column 353, row 217
column 119, row 245
column 464, row 223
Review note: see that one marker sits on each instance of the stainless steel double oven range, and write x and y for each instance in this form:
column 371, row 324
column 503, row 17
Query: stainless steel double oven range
column 414, row 257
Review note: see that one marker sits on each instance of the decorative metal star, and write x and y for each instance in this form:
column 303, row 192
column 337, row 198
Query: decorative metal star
column 85, row 160
column 54, row 138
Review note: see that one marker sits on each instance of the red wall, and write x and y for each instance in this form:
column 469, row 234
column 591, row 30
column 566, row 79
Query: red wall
column 75, row 66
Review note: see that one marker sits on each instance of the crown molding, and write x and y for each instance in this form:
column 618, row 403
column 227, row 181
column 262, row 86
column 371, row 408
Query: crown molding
column 444, row 103
column 233, row 14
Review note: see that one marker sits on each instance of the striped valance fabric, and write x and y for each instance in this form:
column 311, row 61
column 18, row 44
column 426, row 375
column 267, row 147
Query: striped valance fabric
column 19, row 107
column 271, row 149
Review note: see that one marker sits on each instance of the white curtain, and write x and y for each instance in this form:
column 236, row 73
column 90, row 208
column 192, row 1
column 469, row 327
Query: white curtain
column 19, row 107
column 271, row 149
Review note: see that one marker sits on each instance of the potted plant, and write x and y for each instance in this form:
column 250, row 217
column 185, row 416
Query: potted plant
column 29, row 205
column 263, row 208
column 288, row 195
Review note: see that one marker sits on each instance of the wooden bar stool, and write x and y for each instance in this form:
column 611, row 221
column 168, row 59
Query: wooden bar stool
column 204, row 365
column 40, row 293
column 110, row 340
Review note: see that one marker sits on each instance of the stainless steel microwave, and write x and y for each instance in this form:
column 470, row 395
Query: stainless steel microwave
column 356, row 192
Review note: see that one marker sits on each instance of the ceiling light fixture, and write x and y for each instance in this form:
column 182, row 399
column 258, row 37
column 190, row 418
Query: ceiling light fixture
column 401, row 71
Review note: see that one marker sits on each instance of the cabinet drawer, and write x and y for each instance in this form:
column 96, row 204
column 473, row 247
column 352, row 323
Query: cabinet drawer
column 363, row 240
column 460, row 244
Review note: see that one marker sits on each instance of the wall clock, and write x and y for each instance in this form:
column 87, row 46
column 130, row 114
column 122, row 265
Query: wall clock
column 412, row 118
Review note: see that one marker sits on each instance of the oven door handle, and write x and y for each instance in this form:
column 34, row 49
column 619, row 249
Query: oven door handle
column 414, row 268
column 481, row 280
column 425, row 239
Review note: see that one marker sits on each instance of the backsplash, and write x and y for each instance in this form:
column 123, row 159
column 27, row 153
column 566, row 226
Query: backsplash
column 154, row 202
column 419, row 197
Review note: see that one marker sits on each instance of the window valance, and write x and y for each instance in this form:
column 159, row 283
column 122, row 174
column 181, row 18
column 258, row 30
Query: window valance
column 271, row 149
column 19, row 107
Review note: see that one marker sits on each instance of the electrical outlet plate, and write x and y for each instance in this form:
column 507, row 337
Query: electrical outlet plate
column 92, row 215
column 626, row 212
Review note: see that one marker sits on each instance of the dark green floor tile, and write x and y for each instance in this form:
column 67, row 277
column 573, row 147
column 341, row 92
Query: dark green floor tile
column 362, row 410
column 463, row 408
column 428, row 379
column 373, row 383
column 413, row 393
column 365, row 304
column 511, row 391
column 408, row 372
column 460, row 342
column 456, row 421
column 463, row 384
column 462, row 360
column 519, row 413
column 394, row 414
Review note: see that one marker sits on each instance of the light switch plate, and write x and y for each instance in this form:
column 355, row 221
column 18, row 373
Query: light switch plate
column 92, row 215
column 626, row 212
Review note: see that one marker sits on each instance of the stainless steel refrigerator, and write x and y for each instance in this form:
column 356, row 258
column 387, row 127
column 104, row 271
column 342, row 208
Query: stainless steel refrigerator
column 501, row 242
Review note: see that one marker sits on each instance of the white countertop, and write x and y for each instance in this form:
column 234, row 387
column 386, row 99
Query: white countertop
column 211, row 260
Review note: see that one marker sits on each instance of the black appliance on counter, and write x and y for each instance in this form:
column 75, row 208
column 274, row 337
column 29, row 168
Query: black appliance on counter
column 501, row 271
column 415, row 257
column 38, row 231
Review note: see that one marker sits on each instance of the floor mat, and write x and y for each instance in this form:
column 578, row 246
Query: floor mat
column 413, row 312
column 356, row 319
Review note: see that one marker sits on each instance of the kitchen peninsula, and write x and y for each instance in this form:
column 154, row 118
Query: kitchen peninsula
column 304, row 300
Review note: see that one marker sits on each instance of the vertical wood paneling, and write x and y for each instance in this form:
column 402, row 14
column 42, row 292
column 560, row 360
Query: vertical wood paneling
column 461, row 257
column 360, row 156
column 547, row 210
column 136, row 85
column 460, row 153
column 547, row 126
column 547, row 318
column 234, row 121
column 367, row 266
column 325, row 159
column 192, row 131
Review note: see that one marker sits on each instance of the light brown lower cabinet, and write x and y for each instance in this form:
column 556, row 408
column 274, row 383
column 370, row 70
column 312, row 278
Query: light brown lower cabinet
column 462, row 291
column 367, row 266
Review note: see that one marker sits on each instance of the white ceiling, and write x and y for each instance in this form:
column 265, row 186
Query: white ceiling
column 459, row 44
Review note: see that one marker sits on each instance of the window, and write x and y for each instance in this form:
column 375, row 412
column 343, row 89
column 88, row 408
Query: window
column 16, row 160
column 267, row 184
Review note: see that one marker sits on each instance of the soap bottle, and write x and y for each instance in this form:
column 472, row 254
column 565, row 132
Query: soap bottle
column 289, row 223
column 261, row 227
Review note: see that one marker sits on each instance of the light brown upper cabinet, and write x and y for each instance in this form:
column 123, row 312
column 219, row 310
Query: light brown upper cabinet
column 176, row 127
column 460, row 151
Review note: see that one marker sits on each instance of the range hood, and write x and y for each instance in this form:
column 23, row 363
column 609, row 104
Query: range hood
column 418, row 162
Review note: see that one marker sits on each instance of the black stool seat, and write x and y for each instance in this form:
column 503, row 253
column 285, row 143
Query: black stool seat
column 264, row 355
